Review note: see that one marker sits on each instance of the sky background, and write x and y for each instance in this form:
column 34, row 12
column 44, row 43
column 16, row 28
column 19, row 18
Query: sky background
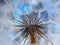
column 52, row 7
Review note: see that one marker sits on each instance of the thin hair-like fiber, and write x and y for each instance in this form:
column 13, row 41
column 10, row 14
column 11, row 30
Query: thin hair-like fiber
column 33, row 27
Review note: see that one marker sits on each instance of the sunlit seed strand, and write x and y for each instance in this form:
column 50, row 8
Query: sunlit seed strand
column 36, row 16
column 41, row 35
column 20, row 38
column 29, row 18
column 38, row 19
column 50, row 41
column 25, row 19
column 25, row 40
column 19, row 30
column 42, row 21
column 21, row 22
column 44, row 24
column 47, row 38
column 35, row 19
column 41, row 27
column 22, row 29
column 32, row 19
column 26, row 36
column 23, row 33
column 33, row 16
column 20, row 25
